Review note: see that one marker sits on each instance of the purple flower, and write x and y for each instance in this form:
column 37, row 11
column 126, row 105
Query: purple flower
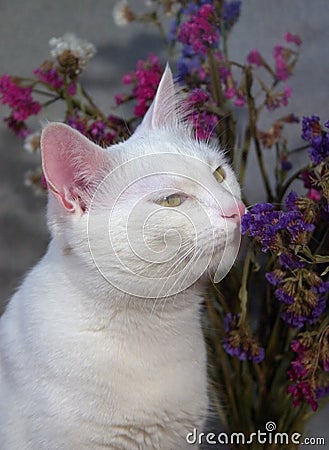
column 310, row 127
column 78, row 123
column 229, row 320
column 292, row 319
column 273, row 278
column 296, row 320
column 200, row 31
column 285, row 165
column 318, row 139
column 284, row 297
column 291, row 201
column 262, row 222
column 231, row 13
column 260, row 356
column 237, row 342
column 173, row 31
column 321, row 391
column 290, row 261
column 274, row 101
column 293, row 222
column 237, row 352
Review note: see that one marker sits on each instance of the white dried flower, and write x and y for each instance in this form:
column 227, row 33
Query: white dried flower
column 122, row 14
column 79, row 48
column 32, row 142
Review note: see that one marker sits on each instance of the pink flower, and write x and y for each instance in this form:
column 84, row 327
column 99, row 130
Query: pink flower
column 200, row 32
column 286, row 95
column 49, row 76
column 280, row 99
column 240, row 100
column 301, row 391
column 145, row 81
column 255, row 58
column 197, row 98
column 120, row 98
column 289, row 37
column 204, row 122
column 281, row 56
column 230, row 92
column 19, row 98
column 72, row 88
column 18, row 127
column 315, row 195
column 127, row 79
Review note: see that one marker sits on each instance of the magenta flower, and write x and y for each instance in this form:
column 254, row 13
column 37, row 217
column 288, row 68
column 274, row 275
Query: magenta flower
column 301, row 391
column 200, row 32
column 204, row 122
column 294, row 38
column 72, row 88
column 50, row 76
column 314, row 195
column 240, row 100
column 18, row 127
column 145, row 80
column 255, row 58
column 18, row 98
column 231, row 90
column 301, row 388
column 281, row 56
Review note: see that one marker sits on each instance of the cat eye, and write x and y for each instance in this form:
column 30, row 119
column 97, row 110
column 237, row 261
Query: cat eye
column 219, row 174
column 171, row 200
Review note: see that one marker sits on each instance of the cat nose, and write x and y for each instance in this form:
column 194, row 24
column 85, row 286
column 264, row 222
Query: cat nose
column 236, row 212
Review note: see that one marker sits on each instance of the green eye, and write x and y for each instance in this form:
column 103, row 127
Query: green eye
column 171, row 200
column 219, row 174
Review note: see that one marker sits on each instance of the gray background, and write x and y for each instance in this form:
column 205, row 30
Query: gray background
column 25, row 29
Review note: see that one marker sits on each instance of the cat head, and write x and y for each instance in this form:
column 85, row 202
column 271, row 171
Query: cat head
column 149, row 216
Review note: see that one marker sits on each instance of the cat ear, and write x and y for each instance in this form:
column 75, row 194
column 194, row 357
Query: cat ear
column 70, row 164
column 162, row 112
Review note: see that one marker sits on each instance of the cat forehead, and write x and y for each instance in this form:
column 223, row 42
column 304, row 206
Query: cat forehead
column 166, row 143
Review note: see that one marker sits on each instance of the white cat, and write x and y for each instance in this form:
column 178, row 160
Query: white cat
column 101, row 346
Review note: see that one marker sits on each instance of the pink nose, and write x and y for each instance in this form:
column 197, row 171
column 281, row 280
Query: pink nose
column 236, row 212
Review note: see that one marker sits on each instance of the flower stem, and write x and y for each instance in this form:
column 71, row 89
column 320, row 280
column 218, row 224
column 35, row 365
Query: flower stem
column 253, row 117
column 243, row 292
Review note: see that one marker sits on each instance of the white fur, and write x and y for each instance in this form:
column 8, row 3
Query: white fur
column 86, row 365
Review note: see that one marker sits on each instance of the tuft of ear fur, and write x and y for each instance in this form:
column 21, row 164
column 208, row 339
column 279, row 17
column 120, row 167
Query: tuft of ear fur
column 72, row 165
column 163, row 112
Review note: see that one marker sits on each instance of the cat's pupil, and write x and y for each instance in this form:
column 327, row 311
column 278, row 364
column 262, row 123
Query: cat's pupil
column 219, row 174
column 171, row 200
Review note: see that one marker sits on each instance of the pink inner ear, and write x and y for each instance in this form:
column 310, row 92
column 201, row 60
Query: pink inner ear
column 70, row 164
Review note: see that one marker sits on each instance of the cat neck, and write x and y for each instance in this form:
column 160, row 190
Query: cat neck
column 101, row 301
